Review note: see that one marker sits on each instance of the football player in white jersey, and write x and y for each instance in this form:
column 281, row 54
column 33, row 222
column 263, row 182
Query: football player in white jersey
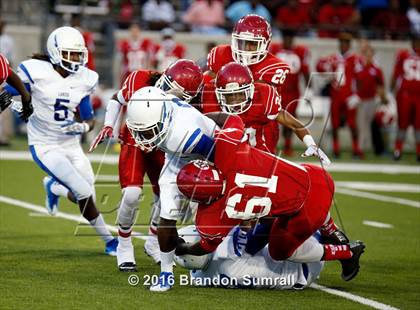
column 160, row 120
column 60, row 86
column 230, row 267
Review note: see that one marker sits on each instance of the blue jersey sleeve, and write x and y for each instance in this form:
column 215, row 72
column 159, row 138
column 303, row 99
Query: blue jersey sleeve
column 85, row 109
column 199, row 143
column 13, row 92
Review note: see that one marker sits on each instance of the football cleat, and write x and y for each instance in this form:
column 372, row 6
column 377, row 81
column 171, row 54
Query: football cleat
column 152, row 249
column 125, row 255
column 397, row 155
column 337, row 237
column 51, row 202
column 351, row 266
column 111, row 247
column 165, row 283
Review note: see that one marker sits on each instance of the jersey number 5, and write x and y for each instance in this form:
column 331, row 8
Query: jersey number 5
column 61, row 112
column 255, row 207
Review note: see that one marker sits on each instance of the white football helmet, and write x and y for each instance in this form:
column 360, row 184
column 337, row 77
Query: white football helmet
column 66, row 48
column 191, row 235
column 149, row 113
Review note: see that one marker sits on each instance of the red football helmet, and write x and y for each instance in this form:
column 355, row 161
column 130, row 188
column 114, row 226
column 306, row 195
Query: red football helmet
column 201, row 181
column 183, row 75
column 251, row 37
column 234, row 88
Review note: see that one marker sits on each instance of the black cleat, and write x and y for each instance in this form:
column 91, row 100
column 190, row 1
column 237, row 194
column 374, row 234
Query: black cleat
column 397, row 155
column 336, row 238
column 128, row 267
column 351, row 266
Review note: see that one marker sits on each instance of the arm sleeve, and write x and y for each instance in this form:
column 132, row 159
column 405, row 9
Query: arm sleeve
column 12, row 91
column 5, row 69
column 85, row 109
column 112, row 111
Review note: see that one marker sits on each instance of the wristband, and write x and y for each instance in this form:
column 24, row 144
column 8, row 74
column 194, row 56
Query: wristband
column 308, row 140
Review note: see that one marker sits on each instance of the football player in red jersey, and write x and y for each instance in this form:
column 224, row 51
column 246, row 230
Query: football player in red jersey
column 256, row 104
column 183, row 76
column 168, row 51
column 406, row 84
column 136, row 52
column 343, row 91
column 247, row 184
column 251, row 37
column 297, row 57
column 9, row 76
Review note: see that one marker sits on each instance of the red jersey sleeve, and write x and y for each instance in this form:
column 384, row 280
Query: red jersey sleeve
column 398, row 67
column 213, row 224
column 305, row 58
column 132, row 83
column 268, row 95
column 379, row 77
column 5, row 69
column 208, row 99
column 218, row 57
column 272, row 71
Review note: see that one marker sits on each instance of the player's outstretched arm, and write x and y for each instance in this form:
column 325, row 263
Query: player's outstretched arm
column 111, row 116
column 288, row 120
column 218, row 117
column 17, row 87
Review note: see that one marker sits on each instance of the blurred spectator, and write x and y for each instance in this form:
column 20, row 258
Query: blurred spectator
column 89, row 41
column 370, row 88
column 413, row 15
column 241, row 8
column 124, row 10
column 293, row 15
column 335, row 16
column 369, row 9
column 168, row 51
column 406, row 84
column 393, row 22
column 158, row 14
column 136, row 52
column 206, row 16
column 7, row 48
column 343, row 96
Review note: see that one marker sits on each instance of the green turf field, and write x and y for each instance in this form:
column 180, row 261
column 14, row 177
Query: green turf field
column 48, row 262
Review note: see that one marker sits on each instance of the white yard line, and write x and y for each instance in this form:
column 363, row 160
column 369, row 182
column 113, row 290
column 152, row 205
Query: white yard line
column 401, row 201
column 335, row 167
column 67, row 216
column 380, row 186
column 356, row 298
column 80, row 219
column 377, row 224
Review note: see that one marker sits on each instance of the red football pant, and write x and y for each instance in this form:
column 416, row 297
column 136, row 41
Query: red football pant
column 408, row 108
column 286, row 237
column 135, row 163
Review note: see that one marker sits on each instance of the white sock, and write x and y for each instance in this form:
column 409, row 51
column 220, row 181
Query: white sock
column 101, row 229
column 166, row 261
column 308, row 252
column 59, row 189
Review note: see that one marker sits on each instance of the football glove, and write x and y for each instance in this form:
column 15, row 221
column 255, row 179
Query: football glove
column 75, row 128
column 27, row 110
column 314, row 150
column 5, row 100
column 105, row 133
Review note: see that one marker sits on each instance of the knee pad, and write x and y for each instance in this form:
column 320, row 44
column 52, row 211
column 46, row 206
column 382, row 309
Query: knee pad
column 129, row 205
column 131, row 196
column 82, row 191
